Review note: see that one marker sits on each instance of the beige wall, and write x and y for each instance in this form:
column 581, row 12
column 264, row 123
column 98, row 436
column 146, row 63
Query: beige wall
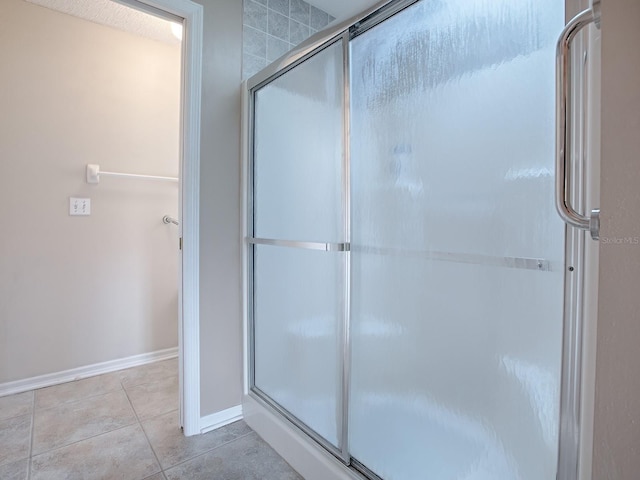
column 220, row 238
column 617, row 403
column 81, row 290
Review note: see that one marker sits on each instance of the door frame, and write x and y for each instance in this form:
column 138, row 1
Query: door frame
column 189, row 199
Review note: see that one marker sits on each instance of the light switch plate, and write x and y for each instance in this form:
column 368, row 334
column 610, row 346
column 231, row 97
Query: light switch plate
column 79, row 206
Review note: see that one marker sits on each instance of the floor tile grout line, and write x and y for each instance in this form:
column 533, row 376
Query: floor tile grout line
column 87, row 438
column 126, row 394
column 82, row 440
column 140, row 420
column 12, row 461
column 33, row 426
column 34, row 408
column 15, row 416
column 210, row 450
column 155, row 455
column 162, row 470
column 20, row 414
column 149, row 383
column 137, row 421
column 115, row 372
column 71, row 402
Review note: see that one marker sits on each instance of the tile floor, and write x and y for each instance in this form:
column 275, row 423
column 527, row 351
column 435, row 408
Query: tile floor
column 124, row 425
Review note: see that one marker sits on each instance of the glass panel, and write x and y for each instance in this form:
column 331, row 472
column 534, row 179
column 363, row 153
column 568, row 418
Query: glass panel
column 298, row 152
column 456, row 331
column 298, row 195
column 298, row 313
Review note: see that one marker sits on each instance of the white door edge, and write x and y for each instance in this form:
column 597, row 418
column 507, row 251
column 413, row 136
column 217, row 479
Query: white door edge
column 189, row 197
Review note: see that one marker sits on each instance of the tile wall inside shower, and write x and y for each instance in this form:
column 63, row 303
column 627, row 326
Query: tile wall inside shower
column 273, row 27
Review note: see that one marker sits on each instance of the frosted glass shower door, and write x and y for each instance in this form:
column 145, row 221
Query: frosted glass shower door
column 298, row 254
column 457, row 253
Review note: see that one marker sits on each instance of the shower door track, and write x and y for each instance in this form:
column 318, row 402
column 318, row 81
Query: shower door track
column 352, row 463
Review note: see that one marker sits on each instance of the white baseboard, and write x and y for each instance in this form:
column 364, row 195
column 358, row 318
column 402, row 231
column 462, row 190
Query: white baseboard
column 41, row 381
column 220, row 419
column 303, row 454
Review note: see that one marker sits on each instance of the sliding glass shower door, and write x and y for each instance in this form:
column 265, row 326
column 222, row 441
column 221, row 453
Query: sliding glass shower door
column 406, row 264
column 298, row 242
column 456, row 249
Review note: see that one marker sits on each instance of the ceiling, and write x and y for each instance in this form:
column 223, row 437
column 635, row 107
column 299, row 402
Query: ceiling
column 343, row 9
column 116, row 15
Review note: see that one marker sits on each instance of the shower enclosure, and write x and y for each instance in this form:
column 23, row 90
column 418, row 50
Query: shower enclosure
column 406, row 290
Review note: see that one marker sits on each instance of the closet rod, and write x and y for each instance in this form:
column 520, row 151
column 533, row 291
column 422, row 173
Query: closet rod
column 94, row 173
column 168, row 219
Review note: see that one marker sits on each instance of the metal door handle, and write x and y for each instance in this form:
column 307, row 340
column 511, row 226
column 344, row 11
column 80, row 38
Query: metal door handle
column 563, row 123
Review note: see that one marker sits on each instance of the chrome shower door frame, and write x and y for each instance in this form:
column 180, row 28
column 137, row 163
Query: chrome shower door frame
column 570, row 433
column 250, row 241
